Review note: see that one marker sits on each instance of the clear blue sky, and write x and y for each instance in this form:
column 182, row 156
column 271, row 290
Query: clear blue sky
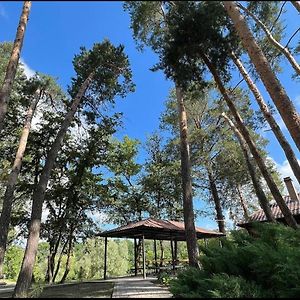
column 55, row 32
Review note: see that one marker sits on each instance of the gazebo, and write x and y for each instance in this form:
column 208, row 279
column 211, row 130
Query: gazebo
column 153, row 229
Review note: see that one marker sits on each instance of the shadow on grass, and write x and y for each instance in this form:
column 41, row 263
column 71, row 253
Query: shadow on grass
column 79, row 290
column 72, row 290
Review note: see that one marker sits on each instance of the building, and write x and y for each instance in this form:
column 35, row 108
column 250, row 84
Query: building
column 292, row 201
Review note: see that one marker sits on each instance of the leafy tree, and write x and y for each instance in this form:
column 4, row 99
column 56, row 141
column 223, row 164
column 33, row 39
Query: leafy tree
column 148, row 21
column 35, row 90
column 12, row 263
column 125, row 199
column 102, row 74
column 188, row 55
column 74, row 193
column 215, row 152
column 161, row 181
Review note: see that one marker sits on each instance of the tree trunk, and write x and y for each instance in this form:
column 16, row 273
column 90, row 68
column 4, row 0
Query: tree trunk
column 263, row 201
column 59, row 260
column 12, row 181
column 243, row 202
column 50, row 267
column 273, row 41
column 53, row 252
column 289, row 153
column 67, row 270
column 246, row 135
column 13, row 62
column 25, row 274
column 189, row 223
column 217, row 201
column 296, row 5
column 281, row 100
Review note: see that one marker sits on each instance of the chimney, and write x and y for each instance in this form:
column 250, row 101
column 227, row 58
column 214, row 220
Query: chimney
column 291, row 189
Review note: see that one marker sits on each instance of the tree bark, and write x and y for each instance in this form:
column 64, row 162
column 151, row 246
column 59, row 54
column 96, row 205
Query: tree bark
column 67, row 269
column 53, row 252
column 289, row 153
column 13, row 62
column 59, row 260
column 263, row 201
column 246, row 135
column 25, row 274
column 296, row 5
column 217, row 201
column 243, row 202
column 273, row 41
column 188, row 211
column 5, row 217
column 281, row 100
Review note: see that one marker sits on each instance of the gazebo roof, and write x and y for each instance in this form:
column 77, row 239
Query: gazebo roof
column 259, row 215
column 157, row 230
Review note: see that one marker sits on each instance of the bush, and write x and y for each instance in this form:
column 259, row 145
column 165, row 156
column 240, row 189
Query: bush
column 164, row 278
column 266, row 265
column 13, row 261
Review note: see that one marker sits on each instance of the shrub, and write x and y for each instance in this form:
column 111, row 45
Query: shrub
column 164, row 278
column 262, row 266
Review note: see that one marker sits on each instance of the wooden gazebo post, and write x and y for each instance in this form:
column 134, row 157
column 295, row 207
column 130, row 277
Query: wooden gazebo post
column 155, row 257
column 172, row 251
column 176, row 252
column 105, row 257
column 135, row 257
column 144, row 258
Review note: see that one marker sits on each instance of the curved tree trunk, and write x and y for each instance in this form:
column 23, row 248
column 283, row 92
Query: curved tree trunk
column 246, row 135
column 289, row 153
column 273, row 41
column 217, row 201
column 12, row 181
column 59, row 261
column 53, row 252
column 296, row 5
column 25, row 274
column 243, row 202
column 263, row 201
column 188, row 211
column 13, row 62
column 68, row 262
column 281, row 100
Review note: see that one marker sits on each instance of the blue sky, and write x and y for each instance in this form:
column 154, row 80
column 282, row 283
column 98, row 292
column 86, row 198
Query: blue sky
column 56, row 30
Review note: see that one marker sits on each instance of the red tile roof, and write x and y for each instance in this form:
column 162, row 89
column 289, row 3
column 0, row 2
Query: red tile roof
column 259, row 216
column 160, row 229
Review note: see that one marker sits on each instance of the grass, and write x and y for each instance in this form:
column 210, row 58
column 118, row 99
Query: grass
column 72, row 290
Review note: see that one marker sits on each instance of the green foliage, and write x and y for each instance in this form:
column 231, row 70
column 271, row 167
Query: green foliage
column 40, row 266
column 112, row 73
column 161, row 180
column 194, row 283
column 195, row 28
column 263, row 265
column 164, row 278
column 12, row 262
column 147, row 19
